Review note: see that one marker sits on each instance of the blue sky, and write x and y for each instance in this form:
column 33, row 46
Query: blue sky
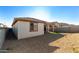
column 67, row 14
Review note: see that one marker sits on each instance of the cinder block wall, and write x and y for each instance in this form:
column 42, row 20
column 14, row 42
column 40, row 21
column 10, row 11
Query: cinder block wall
column 74, row 29
column 2, row 36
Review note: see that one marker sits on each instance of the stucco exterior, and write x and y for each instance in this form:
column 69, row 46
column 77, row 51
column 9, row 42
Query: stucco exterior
column 15, row 29
column 22, row 30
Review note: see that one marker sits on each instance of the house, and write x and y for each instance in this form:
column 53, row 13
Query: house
column 64, row 25
column 55, row 25
column 51, row 26
column 27, row 27
column 2, row 25
column 47, row 26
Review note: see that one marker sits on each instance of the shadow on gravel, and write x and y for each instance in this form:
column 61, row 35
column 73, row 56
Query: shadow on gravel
column 39, row 44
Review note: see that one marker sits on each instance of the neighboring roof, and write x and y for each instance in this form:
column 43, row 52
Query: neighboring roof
column 64, row 24
column 27, row 19
column 2, row 25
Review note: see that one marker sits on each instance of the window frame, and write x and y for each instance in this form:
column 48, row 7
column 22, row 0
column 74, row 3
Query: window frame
column 32, row 27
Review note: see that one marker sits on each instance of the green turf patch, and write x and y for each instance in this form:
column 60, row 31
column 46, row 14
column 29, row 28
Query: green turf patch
column 54, row 32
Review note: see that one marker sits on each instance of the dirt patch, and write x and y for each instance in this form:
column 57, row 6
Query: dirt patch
column 69, row 43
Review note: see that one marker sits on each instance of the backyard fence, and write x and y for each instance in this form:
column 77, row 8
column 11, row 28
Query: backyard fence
column 2, row 36
column 73, row 29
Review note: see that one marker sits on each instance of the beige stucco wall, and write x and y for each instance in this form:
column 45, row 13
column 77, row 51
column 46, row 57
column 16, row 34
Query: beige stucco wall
column 15, row 29
column 24, row 30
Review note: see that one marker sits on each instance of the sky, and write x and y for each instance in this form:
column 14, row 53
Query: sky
column 66, row 14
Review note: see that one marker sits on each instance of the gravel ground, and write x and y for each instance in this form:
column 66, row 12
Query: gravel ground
column 39, row 44
column 68, row 44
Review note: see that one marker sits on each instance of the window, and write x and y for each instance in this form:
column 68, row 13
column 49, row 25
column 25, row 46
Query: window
column 33, row 27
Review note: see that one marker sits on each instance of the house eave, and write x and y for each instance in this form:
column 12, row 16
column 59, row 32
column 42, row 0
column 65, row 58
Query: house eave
column 25, row 20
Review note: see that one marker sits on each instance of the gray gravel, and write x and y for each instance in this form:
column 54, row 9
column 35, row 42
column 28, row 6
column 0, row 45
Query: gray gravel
column 39, row 44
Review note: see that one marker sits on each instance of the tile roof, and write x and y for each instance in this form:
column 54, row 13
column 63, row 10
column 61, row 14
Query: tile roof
column 29, row 19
